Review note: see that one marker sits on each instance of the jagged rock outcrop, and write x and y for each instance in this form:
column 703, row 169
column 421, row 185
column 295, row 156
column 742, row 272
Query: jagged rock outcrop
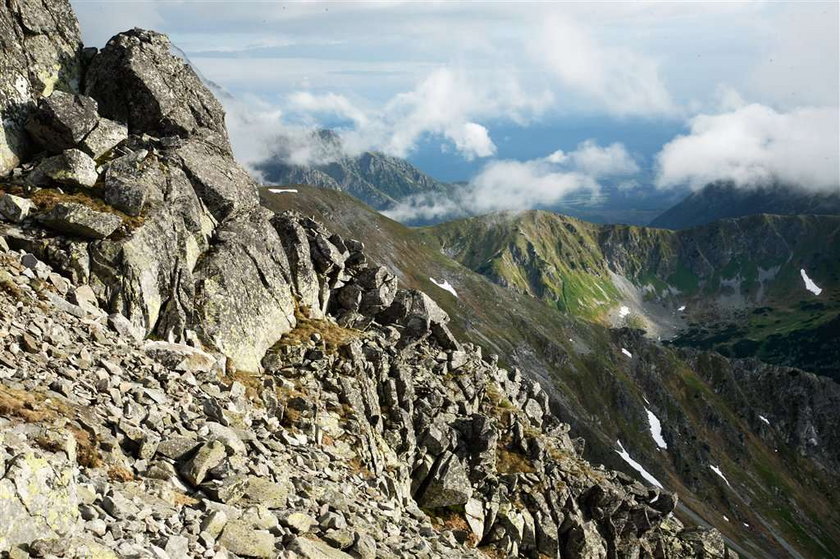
column 348, row 445
column 137, row 81
column 40, row 53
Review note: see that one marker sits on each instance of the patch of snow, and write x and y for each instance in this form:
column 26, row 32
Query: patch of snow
column 682, row 308
column 646, row 400
column 809, row 283
column 764, row 419
column 282, row 190
column 627, row 353
column 656, row 429
column 654, row 499
column 746, row 525
column 636, row 466
column 623, row 311
column 444, row 285
column 716, row 470
column 725, row 518
column 571, row 340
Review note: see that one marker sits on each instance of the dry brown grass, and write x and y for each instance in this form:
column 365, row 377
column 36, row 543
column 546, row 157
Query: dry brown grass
column 332, row 335
column 251, row 381
column 455, row 522
column 509, row 462
column 46, row 199
column 119, row 473
column 8, row 285
column 34, row 407
column 182, row 499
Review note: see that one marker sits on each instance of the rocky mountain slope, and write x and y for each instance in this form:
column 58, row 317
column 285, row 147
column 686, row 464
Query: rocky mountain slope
column 736, row 286
column 185, row 373
column 721, row 200
column 608, row 384
column 377, row 179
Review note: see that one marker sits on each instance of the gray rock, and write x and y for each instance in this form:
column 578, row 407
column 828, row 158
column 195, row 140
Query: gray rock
column 77, row 219
column 241, row 538
column 208, row 456
column 214, row 523
column 315, row 549
column 448, row 485
column 129, row 182
column 223, row 186
column 122, row 326
column 107, row 135
column 40, row 54
column 298, row 522
column 296, row 245
column 243, row 299
column 37, row 500
column 14, row 208
column 138, row 81
column 268, row 493
column 364, row 547
column 379, row 287
column 62, row 121
column 72, row 167
column 179, row 357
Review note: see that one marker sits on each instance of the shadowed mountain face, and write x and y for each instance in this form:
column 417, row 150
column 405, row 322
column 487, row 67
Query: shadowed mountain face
column 603, row 381
column 377, row 179
column 725, row 200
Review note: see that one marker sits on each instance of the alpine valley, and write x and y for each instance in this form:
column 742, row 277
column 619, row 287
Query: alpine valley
column 193, row 364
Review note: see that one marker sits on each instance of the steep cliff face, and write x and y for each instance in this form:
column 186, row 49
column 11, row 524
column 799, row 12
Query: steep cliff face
column 41, row 53
column 291, row 400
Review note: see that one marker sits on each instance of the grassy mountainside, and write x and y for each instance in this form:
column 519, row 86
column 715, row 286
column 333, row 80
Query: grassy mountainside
column 734, row 285
column 780, row 502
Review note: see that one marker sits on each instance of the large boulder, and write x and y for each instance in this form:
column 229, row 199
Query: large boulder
column 305, row 280
column 243, row 296
column 39, row 53
column 14, row 208
column 447, row 485
column 133, row 180
column 37, row 499
column 62, row 121
column 72, row 167
column 138, row 81
column 79, row 220
column 147, row 275
column 223, row 186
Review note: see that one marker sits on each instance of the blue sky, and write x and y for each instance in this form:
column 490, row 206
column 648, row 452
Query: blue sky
column 689, row 91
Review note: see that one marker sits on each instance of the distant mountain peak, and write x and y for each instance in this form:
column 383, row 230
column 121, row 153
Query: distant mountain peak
column 725, row 199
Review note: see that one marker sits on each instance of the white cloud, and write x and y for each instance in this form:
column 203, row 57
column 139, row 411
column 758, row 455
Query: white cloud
column 598, row 162
column 624, row 81
column 755, row 144
column 445, row 103
column 520, row 185
column 329, row 103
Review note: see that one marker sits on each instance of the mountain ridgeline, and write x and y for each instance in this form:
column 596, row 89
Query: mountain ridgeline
column 723, row 199
column 735, row 285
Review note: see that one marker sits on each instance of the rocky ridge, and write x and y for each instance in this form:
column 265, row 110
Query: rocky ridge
column 365, row 443
column 292, row 401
